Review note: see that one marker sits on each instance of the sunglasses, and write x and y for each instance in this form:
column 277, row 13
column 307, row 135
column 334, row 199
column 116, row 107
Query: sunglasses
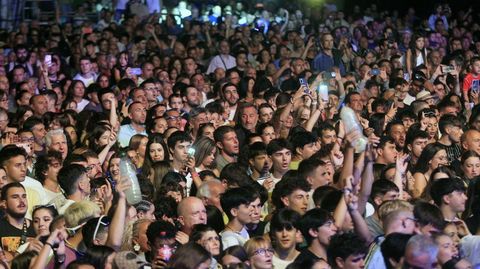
column 48, row 206
column 103, row 220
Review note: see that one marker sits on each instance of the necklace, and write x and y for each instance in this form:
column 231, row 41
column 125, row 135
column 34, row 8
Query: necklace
column 24, row 233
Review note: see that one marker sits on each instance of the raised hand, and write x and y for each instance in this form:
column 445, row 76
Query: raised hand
column 351, row 200
column 402, row 162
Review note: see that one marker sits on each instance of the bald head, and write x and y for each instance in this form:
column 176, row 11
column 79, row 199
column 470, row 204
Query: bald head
column 471, row 140
column 191, row 211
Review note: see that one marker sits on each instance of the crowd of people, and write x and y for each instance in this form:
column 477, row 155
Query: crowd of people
column 333, row 140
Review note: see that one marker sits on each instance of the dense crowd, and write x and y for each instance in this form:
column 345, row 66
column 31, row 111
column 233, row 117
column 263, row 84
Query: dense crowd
column 259, row 139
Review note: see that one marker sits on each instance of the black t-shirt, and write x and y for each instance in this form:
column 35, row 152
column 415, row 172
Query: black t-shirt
column 306, row 254
column 259, row 230
column 11, row 236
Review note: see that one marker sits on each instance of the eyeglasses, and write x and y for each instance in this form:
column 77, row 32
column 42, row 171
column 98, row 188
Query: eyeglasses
column 104, row 223
column 263, row 251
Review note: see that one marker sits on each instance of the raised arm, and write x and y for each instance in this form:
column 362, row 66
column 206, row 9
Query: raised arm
column 55, row 243
column 285, row 24
column 359, row 224
column 347, row 170
column 115, row 230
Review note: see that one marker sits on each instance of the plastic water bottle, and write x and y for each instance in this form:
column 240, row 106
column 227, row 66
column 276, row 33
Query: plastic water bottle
column 128, row 173
column 351, row 123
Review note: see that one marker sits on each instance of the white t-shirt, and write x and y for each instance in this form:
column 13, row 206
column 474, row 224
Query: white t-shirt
column 230, row 238
column 281, row 264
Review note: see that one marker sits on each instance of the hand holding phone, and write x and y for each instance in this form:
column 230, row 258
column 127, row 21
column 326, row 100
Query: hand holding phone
column 323, row 91
column 303, row 82
column 48, row 60
column 136, row 71
column 447, row 68
column 375, row 72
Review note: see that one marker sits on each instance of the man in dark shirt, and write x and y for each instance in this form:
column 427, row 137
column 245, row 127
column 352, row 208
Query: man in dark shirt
column 317, row 227
column 16, row 229
column 451, row 128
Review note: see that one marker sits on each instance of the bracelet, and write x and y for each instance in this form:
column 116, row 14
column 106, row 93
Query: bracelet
column 49, row 244
column 347, row 190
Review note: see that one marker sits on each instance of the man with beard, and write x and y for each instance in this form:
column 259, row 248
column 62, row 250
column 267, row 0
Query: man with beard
column 396, row 130
column 246, row 122
column 190, row 97
column 16, row 228
column 22, row 56
column 227, row 143
column 137, row 114
column 36, row 126
column 229, row 94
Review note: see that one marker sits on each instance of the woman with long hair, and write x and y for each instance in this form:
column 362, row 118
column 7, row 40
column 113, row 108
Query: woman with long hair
column 103, row 81
column 205, row 151
column 416, row 53
column 101, row 140
column 120, row 69
column 433, row 156
column 77, row 93
column 208, row 238
column 470, row 166
column 155, row 151
column 137, row 148
column 158, row 171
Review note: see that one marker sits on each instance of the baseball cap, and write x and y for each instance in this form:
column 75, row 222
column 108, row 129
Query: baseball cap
column 419, row 76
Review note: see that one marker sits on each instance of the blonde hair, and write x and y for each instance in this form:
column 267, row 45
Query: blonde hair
column 132, row 230
column 80, row 212
column 393, row 205
column 255, row 243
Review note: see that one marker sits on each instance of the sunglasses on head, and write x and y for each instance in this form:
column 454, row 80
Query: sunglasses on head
column 103, row 220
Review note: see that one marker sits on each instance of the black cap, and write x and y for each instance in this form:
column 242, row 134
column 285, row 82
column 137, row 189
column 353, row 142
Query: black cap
column 419, row 76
